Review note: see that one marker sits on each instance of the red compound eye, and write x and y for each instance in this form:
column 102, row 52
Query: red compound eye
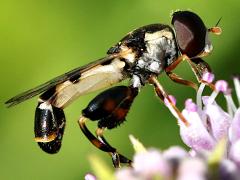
column 190, row 32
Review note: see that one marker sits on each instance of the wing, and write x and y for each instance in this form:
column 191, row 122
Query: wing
column 71, row 75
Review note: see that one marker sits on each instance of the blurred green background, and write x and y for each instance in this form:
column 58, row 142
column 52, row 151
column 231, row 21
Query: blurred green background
column 42, row 39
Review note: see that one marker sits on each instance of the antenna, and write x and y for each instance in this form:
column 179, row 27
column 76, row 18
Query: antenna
column 218, row 21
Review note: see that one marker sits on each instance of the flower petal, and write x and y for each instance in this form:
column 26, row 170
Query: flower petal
column 228, row 170
column 151, row 163
column 90, row 177
column 174, row 155
column 175, row 152
column 234, row 131
column 219, row 120
column 192, row 168
column 126, row 173
column 235, row 152
column 195, row 135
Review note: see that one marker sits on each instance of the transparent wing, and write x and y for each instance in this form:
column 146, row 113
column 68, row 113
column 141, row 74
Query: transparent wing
column 73, row 74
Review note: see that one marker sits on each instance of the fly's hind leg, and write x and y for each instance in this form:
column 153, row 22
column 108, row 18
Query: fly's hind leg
column 122, row 159
column 103, row 144
column 109, row 108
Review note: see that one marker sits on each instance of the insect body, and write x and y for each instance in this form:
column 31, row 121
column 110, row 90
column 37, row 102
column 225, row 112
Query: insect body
column 140, row 56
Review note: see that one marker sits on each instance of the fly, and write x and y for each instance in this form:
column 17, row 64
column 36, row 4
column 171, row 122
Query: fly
column 141, row 56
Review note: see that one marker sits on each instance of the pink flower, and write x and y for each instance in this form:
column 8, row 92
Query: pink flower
column 208, row 122
column 154, row 164
column 90, row 177
column 151, row 163
column 212, row 133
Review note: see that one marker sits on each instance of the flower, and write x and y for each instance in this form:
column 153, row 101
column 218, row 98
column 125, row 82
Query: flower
column 154, row 164
column 177, row 163
column 173, row 163
column 90, row 177
column 209, row 123
column 211, row 133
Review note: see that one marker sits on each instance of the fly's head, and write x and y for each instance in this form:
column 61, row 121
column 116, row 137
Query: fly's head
column 192, row 36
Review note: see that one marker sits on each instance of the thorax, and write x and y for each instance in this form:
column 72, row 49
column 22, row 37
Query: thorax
column 152, row 48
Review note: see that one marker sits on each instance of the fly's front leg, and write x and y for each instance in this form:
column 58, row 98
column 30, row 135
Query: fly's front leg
column 176, row 78
column 201, row 68
column 198, row 66
column 49, row 125
column 109, row 108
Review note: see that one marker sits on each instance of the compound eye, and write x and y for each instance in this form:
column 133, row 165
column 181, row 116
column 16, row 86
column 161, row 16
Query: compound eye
column 190, row 32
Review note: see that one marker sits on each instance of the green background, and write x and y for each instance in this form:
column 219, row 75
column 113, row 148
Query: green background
column 42, row 39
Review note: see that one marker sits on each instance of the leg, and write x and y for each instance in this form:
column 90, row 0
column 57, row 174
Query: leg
column 172, row 66
column 198, row 67
column 99, row 133
column 201, row 68
column 174, row 77
column 109, row 108
column 116, row 157
column 163, row 95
